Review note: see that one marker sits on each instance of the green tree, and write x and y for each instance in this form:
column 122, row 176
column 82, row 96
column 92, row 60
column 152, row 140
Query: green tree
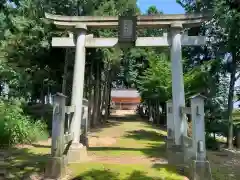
column 224, row 27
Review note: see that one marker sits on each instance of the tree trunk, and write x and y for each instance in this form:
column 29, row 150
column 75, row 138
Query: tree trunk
column 150, row 116
column 94, row 104
column 65, row 73
column 99, row 112
column 107, row 103
column 90, row 95
column 106, row 94
column 103, row 95
column 163, row 118
column 230, row 100
column 158, row 112
column 97, row 94
column 108, row 108
column 156, row 117
column 91, row 106
column 48, row 95
column 67, row 89
column 42, row 97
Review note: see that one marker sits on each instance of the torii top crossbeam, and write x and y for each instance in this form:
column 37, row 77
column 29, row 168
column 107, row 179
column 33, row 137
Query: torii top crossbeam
column 159, row 21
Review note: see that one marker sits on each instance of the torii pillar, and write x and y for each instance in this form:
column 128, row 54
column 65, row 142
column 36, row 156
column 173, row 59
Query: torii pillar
column 77, row 151
column 178, row 95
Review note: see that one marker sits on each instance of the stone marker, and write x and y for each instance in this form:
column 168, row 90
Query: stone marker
column 56, row 165
column 200, row 167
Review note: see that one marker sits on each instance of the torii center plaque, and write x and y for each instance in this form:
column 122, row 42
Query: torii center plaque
column 127, row 29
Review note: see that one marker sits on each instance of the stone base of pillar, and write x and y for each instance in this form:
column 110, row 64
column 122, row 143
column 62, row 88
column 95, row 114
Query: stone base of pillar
column 200, row 170
column 169, row 146
column 55, row 168
column 169, row 143
column 77, row 153
column 175, row 154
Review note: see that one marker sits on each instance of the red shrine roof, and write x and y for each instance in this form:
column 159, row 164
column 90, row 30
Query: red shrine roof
column 125, row 95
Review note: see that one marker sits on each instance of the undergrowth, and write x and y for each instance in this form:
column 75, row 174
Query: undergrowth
column 16, row 127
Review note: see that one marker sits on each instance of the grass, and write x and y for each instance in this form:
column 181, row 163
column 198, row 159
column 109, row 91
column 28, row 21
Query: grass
column 135, row 143
column 96, row 171
column 152, row 150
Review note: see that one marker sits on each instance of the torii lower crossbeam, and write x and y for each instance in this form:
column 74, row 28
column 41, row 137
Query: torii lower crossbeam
column 69, row 42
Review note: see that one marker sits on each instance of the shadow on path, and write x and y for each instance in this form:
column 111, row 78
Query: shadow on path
column 21, row 163
column 41, row 145
column 151, row 151
column 114, row 121
column 145, row 135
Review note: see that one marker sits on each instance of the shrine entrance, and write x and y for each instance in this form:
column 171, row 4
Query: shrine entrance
column 175, row 38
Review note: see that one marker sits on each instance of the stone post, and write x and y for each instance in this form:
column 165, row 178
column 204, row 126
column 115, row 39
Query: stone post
column 198, row 127
column 170, row 134
column 200, row 167
column 77, row 151
column 56, row 165
column 78, row 82
column 178, row 95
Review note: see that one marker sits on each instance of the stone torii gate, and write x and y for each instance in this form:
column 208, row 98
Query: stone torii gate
column 175, row 39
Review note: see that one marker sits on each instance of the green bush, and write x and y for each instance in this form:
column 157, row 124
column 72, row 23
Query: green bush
column 17, row 128
column 211, row 143
column 40, row 111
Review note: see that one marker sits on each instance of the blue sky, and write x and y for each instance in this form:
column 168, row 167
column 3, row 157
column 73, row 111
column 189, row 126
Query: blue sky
column 167, row 6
